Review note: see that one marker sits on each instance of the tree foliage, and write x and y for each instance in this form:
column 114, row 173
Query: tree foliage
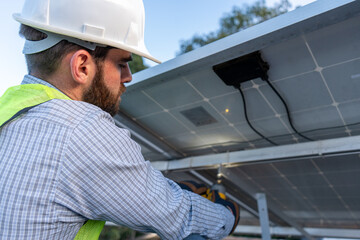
column 235, row 21
column 137, row 64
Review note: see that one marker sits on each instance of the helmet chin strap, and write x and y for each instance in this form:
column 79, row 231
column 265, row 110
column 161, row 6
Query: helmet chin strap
column 32, row 47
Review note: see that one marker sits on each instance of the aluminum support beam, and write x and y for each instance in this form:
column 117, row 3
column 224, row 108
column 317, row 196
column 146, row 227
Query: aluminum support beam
column 264, row 217
column 286, row 152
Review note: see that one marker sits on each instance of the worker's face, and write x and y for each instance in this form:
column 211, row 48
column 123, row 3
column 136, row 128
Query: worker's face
column 108, row 83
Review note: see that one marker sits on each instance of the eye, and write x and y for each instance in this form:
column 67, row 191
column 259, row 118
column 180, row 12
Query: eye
column 122, row 66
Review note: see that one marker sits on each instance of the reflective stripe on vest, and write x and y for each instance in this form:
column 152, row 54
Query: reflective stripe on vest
column 18, row 100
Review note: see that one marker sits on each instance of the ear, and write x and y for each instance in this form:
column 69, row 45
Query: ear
column 82, row 67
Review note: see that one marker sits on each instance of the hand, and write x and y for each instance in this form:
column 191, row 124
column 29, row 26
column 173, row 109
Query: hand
column 214, row 196
column 193, row 187
column 220, row 198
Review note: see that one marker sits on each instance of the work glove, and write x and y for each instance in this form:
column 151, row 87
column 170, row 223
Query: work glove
column 220, row 198
column 194, row 187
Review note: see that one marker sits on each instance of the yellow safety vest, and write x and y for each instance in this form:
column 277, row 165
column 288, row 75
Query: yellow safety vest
column 18, row 100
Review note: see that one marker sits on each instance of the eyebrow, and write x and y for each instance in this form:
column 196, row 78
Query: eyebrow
column 127, row 59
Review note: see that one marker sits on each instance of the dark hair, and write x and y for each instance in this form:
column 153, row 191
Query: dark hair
column 46, row 63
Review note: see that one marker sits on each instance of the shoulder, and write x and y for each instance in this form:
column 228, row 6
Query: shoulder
column 89, row 127
column 68, row 113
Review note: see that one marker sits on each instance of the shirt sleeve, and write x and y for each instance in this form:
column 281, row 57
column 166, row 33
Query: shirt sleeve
column 105, row 177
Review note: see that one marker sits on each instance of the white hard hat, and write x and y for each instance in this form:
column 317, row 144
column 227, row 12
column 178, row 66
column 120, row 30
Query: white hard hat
column 90, row 23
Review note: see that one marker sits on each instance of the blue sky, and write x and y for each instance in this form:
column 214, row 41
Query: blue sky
column 167, row 22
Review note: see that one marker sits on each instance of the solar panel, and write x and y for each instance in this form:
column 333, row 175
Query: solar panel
column 316, row 72
column 313, row 55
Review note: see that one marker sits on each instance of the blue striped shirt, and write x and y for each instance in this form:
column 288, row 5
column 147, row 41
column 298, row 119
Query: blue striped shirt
column 66, row 161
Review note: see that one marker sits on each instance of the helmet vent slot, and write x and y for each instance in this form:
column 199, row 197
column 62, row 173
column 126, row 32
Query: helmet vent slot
column 93, row 30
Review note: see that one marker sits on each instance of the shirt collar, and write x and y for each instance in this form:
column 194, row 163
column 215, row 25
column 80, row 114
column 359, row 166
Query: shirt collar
column 28, row 79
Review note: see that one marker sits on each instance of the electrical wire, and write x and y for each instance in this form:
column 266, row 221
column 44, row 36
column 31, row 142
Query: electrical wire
column 247, row 118
column 287, row 110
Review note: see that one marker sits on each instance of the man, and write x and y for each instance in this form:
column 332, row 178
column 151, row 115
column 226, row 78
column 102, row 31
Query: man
column 63, row 160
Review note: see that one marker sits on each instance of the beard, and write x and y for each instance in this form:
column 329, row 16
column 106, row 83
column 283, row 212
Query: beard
column 99, row 95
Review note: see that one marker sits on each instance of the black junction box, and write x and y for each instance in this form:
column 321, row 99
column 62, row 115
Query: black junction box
column 242, row 69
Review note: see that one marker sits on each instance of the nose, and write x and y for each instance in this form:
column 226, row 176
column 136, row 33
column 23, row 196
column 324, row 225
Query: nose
column 126, row 75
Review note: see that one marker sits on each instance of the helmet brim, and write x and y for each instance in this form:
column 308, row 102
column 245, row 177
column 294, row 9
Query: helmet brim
column 85, row 37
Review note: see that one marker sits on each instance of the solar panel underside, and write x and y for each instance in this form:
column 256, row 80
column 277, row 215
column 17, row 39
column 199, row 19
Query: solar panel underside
column 317, row 72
